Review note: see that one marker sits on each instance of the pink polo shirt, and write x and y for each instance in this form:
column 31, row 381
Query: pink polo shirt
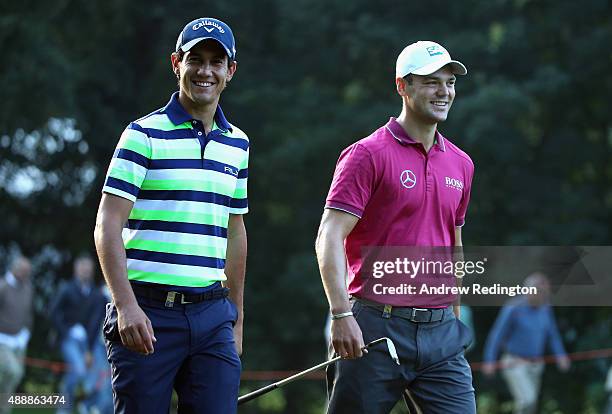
column 403, row 196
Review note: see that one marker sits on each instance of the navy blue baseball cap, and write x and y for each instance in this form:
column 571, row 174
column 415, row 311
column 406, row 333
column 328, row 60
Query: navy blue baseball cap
column 207, row 28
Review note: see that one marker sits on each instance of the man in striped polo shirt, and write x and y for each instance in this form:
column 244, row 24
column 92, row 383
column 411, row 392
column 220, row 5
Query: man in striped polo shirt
column 169, row 233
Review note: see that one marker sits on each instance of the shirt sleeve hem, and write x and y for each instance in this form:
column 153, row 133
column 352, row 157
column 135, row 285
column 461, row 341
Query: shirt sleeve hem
column 344, row 207
column 120, row 193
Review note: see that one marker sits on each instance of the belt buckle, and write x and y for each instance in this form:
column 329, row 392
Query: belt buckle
column 183, row 301
column 414, row 312
column 170, row 297
column 387, row 311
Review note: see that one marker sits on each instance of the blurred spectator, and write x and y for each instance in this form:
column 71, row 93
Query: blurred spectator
column 523, row 328
column 608, row 388
column 77, row 314
column 15, row 324
column 98, row 385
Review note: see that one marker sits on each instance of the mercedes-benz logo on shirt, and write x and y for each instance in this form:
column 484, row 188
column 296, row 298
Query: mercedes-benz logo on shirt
column 408, row 179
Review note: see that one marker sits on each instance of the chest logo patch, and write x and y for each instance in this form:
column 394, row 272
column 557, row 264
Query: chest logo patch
column 453, row 183
column 232, row 171
column 408, row 179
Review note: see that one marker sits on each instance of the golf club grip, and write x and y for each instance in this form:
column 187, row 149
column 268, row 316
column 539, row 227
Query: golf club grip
column 257, row 393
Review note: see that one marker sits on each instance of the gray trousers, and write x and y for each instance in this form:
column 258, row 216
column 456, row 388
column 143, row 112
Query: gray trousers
column 433, row 367
column 523, row 378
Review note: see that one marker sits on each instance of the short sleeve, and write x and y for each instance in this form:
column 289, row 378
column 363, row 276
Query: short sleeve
column 239, row 203
column 353, row 181
column 130, row 163
column 465, row 198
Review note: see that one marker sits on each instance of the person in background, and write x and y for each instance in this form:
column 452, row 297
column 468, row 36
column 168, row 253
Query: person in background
column 77, row 316
column 524, row 327
column 608, row 388
column 97, row 384
column 15, row 324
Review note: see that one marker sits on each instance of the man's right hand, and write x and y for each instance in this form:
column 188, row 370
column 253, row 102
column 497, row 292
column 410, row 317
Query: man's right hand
column 135, row 329
column 347, row 338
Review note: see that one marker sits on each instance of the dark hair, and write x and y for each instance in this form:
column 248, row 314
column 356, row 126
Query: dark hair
column 179, row 54
column 408, row 78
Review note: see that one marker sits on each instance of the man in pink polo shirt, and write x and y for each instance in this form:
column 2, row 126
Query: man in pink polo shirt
column 404, row 185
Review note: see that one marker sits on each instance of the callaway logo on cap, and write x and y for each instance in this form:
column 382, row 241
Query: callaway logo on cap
column 207, row 28
column 424, row 58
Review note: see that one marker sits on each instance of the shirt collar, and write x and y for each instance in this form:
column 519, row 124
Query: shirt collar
column 398, row 132
column 178, row 115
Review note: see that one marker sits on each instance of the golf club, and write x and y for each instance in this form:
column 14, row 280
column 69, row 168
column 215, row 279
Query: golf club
column 257, row 393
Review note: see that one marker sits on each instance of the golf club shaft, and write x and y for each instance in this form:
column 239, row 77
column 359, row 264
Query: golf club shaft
column 271, row 387
column 257, row 393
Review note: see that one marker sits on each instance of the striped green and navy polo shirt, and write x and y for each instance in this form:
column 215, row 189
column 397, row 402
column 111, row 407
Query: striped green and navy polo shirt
column 184, row 184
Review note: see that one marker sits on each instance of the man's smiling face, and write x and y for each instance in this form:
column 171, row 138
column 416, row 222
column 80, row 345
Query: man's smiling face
column 430, row 97
column 203, row 73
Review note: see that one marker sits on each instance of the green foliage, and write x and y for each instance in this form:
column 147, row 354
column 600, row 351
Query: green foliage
column 272, row 403
column 314, row 76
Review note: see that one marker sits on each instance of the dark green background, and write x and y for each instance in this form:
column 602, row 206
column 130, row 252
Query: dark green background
column 314, row 76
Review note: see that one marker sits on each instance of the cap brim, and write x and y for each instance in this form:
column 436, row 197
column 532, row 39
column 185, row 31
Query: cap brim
column 187, row 46
column 457, row 67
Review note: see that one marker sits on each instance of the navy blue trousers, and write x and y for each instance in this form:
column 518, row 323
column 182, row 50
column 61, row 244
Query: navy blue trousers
column 195, row 354
column 433, row 367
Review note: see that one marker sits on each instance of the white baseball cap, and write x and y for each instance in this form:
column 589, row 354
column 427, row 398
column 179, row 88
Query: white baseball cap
column 424, row 58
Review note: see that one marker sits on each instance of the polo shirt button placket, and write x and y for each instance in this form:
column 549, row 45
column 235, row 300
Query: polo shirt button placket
column 201, row 141
column 428, row 183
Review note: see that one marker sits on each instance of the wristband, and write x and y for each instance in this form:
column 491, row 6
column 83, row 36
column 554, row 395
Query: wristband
column 341, row 315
